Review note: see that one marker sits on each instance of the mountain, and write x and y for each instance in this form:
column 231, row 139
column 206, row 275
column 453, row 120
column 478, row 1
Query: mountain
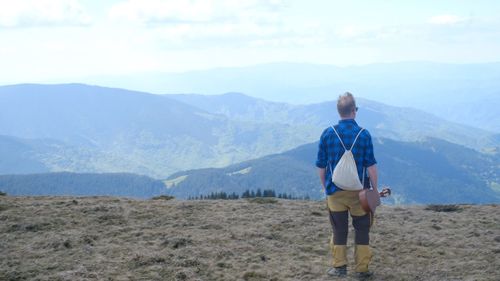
column 463, row 93
column 94, row 116
column 114, row 130
column 90, row 129
column 125, row 185
column 399, row 123
column 238, row 106
column 428, row 171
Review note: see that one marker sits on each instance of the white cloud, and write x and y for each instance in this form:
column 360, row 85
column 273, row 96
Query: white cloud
column 152, row 12
column 217, row 30
column 446, row 19
column 29, row 13
column 156, row 11
column 290, row 41
column 349, row 31
column 181, row 23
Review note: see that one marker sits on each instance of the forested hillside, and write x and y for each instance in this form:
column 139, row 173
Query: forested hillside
column 430, row 171
column 125, row 185
column 398, row 123
column 19, row 156
column 113, row 130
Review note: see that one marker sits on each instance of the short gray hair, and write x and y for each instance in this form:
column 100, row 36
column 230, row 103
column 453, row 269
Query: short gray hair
column 346, row 104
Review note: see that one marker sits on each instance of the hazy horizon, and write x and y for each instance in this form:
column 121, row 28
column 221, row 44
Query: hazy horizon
column 64, row 40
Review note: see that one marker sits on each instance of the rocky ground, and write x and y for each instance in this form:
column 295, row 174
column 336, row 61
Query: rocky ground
column 104, row 238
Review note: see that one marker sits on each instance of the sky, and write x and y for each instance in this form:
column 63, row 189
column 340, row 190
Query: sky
column 64, row 40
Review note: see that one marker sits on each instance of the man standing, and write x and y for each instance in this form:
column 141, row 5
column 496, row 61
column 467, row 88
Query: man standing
column 334, row 142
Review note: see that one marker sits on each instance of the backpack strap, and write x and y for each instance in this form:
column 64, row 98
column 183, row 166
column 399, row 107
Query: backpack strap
column 340, row 139
column 357, row 137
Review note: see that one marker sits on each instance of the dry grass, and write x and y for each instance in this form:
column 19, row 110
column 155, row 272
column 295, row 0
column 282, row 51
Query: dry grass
column 443, row 208
column 62, row 238
column 163, row 197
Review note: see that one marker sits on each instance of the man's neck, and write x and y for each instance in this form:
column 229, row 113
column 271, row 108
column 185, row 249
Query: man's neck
column 347, row 118
column 350, row 116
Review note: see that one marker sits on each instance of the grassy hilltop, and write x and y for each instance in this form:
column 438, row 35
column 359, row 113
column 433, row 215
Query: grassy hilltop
column 107, row 238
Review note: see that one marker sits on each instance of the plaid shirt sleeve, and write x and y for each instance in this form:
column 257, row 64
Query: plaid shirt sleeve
column 369, row 157
column 321, row 160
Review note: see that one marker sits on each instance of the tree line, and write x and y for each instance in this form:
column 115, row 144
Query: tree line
column 247, row 194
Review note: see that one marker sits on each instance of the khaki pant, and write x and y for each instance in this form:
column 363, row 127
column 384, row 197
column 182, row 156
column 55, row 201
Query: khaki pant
column 340, row 204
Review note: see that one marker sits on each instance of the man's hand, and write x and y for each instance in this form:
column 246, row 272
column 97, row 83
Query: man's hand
column 322, row 175
column 372, row 172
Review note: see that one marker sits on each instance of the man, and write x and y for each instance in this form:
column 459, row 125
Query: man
column 341, row 202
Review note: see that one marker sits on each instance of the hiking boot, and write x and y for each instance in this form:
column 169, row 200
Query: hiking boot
column 340, row 271
column 364, row 275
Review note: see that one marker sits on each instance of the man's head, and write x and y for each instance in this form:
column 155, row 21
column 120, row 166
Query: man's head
column 346, row 106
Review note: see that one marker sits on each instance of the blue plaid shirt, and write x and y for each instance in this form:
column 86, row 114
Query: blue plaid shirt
column 330, row 150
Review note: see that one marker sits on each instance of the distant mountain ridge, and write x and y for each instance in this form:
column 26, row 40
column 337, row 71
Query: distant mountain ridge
column 463, row 93
column 92, row 115
column 382, row 120
column 429, row 171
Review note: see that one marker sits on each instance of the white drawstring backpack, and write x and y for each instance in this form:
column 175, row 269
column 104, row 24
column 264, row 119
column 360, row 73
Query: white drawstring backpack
column 345, row 175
